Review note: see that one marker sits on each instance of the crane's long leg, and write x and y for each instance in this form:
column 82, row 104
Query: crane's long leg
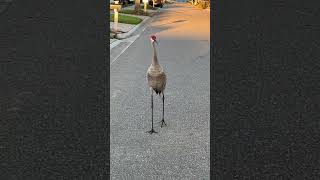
column 152, row 130
column 162, row 122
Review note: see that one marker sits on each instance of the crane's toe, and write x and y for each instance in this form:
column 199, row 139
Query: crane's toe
column 152, row 131
column 163, row 123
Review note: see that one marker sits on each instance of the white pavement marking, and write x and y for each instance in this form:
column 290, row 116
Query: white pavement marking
column 133, row 39
column 127, row 40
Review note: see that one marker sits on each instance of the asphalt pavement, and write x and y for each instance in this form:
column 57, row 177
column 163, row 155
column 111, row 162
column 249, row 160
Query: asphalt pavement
column 181, row 149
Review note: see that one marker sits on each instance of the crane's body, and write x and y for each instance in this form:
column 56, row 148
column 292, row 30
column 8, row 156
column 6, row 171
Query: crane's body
column 157, row 80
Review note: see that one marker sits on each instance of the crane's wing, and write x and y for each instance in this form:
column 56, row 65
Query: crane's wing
column 157, row 81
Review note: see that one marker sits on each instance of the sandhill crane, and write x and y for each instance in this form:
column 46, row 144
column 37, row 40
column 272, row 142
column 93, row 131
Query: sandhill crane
column 156, row 81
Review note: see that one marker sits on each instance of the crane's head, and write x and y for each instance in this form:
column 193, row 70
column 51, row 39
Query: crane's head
column 153, row 38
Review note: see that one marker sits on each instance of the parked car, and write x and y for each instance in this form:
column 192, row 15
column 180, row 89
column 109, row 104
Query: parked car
column 157, row 3
column 121, row 2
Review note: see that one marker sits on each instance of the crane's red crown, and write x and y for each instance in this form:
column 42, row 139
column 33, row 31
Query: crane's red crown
column 153, row 37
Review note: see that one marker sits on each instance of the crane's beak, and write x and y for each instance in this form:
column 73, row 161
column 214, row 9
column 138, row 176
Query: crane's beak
column 156, row 41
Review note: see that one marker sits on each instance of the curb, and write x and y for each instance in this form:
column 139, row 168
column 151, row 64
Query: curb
column 127, row 34
column 114, row 44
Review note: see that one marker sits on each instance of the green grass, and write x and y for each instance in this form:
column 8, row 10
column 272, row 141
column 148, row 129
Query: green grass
column 127, row 11
column 126, row 19
column 130, row 11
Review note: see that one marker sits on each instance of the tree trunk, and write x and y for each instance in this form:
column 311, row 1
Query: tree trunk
column 137, row 5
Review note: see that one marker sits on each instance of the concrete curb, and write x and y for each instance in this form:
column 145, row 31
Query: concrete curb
column 114, row 44
column 127, row 34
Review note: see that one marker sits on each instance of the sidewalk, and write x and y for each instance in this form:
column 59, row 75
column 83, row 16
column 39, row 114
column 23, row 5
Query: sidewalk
column 122, row 27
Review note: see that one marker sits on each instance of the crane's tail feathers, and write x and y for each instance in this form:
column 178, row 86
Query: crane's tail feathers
column 157, row 92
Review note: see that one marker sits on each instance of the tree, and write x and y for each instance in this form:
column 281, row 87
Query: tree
column 137, row 5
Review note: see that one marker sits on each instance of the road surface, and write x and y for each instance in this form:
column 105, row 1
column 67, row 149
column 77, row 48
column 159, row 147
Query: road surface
column 181, row 149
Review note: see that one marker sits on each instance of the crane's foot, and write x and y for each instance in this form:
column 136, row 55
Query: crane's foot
column 163, row 123
column 152, row 131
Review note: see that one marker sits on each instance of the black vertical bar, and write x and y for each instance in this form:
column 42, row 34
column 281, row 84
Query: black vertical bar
column 54, row 90
column 265, row 90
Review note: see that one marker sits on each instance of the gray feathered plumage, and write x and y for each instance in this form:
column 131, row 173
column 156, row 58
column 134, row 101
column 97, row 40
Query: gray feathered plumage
column 155, row 75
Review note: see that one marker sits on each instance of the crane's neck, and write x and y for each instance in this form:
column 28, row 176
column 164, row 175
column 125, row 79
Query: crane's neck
column 155, row 58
